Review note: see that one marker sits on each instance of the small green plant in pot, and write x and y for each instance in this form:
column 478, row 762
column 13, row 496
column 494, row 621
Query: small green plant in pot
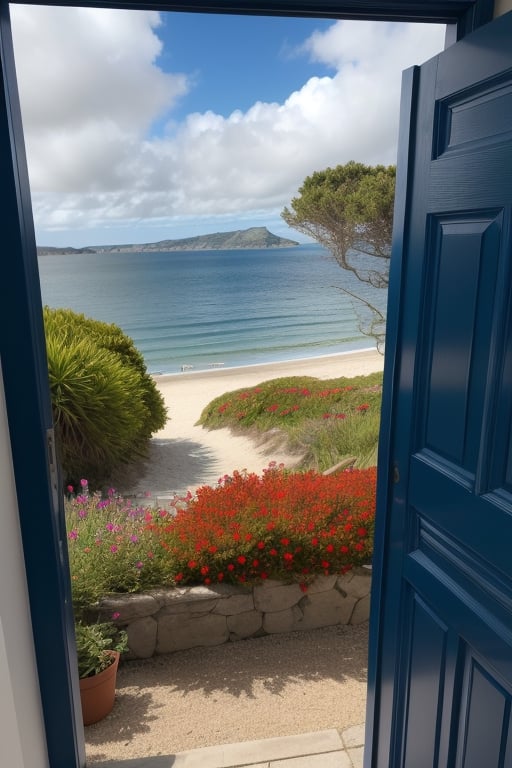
column 99, row 647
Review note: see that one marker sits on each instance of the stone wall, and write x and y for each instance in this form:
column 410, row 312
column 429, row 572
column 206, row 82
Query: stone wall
column 169, row 620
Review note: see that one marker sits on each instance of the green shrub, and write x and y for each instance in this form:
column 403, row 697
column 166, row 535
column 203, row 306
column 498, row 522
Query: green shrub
column 105, row 405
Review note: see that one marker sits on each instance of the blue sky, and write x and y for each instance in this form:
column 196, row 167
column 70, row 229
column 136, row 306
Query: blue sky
column 238, row 60
column 142, row 126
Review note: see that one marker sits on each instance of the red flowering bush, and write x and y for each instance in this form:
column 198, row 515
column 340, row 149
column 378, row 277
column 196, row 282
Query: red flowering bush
column 278, row 525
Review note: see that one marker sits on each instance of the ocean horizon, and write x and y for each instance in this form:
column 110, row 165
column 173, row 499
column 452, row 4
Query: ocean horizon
column 204, row 310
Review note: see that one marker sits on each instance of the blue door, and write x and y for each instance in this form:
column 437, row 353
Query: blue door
column 440, row 676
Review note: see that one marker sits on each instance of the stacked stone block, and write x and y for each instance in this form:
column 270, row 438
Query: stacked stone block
column 168, row 620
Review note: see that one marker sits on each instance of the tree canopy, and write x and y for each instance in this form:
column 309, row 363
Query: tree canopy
column 349, row 210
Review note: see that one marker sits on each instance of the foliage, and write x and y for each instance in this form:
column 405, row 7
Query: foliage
column 278, row 525
column 111, row 549
column 94, row 645
column 248, row 528
column 324, row 421
column 349, row 210
column 105, row 405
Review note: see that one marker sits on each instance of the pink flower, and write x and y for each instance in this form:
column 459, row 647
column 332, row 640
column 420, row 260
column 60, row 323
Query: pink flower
column 73, row 535
column 84, row 483
column 70, row 489
column 113, row 548
column 115, row 615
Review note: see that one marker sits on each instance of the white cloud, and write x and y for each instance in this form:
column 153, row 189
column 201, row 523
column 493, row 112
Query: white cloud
column 91, row 89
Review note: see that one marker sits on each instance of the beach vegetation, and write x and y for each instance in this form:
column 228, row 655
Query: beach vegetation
column 323, row 421
column 349, row 211
column 248, row 528
column 105, row 405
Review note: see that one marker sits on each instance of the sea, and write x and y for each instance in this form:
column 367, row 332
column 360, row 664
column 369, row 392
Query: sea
column 201, row 310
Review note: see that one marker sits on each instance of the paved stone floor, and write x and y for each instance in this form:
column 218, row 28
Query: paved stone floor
column 322, row 749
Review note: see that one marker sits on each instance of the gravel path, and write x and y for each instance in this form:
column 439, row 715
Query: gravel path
column 279, row 685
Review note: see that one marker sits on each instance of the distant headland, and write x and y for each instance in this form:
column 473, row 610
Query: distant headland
column 254, row 237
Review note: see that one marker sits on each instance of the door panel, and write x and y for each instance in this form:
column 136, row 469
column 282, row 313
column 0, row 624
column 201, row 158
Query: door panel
column 443, row 657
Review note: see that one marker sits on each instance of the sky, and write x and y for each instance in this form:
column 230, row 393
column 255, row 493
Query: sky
column 143, row 126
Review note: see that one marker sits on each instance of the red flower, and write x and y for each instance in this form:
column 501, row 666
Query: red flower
column 204, row 570
column 362, row 532
column 231, row 567
column 241, row 559
column 288, row 557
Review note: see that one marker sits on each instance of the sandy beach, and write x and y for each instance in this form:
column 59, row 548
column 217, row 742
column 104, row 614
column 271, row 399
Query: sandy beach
column 184, row 456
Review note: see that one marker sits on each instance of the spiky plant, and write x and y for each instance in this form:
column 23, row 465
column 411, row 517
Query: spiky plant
column 105, row 405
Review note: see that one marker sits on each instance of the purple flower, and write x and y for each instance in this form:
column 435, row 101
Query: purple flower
column 134, row 538
column 139, row 565
column 109, row 527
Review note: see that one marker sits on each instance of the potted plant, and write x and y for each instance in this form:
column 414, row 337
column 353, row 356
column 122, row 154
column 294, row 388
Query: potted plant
column 99, row 647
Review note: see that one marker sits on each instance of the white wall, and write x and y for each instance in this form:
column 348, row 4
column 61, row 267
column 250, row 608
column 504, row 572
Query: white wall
column 22, row 739
column 501, row 7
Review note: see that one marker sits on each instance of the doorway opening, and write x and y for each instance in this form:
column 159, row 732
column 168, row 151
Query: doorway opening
column 29, row 156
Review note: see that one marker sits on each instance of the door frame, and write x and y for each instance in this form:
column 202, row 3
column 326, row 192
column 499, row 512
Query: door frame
column 24, row 365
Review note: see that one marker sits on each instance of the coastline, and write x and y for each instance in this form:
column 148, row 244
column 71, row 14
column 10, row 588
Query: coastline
column 355, row 362
column 184, row 456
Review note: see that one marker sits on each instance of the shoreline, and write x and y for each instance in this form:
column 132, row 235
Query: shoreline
column 366, row 356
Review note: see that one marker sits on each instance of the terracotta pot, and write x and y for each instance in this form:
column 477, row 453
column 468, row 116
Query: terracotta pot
column 97, row 693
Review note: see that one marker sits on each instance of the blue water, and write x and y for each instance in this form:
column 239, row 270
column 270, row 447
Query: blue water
column 213, row 308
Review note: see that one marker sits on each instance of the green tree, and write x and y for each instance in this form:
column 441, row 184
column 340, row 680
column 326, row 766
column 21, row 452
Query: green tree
column 105, row 405
column 349, row 210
